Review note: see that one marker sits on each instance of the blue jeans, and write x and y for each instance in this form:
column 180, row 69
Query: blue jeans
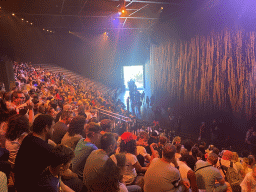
column 133, row 188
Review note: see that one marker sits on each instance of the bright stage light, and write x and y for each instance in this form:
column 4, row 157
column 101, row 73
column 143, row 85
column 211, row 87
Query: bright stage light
column 47, row 30
column 22, row 19
column 13, row 14
column 119, row 13
column 27, row 21
column 31, row 23
column 43, row 29
column 162, row 8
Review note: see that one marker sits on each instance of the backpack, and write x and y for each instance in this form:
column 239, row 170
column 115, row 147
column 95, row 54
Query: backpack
column 232, row 177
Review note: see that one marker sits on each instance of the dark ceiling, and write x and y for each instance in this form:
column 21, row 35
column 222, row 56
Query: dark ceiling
column 80, row 15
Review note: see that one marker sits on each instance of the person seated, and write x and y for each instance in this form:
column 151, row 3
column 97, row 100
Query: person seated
column 186, row 172
column 97, row 159
column 161, row 175
column 142, row 154
column 157, row 149
column 207, row 175
column 3, row 182
column 61, row 127
column 34, row 154
column 128, row 146
column 75, row 131
column 110, row 179
column 18, row 129
column 249, row 182
column 106, row 125
column 50, row 179
column 84, row 148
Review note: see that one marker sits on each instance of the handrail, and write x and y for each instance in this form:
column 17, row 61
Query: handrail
column 114, row 115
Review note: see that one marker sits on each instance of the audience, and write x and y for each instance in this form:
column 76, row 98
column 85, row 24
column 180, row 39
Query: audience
column 75, row 132
column 207, row 175
column 34, row 154
column 186, row 172
column 110, row 180
column 50, row 179
column 161, row 175
column 128, row 146
column 39, row 166
column 97, row 159
column 84, row 148
column 249, row 182
column 18, row 129
column 61, row 128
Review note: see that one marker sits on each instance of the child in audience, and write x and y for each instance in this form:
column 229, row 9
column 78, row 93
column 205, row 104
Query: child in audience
column 50, row 180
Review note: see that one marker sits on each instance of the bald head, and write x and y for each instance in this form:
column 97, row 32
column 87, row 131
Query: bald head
column 169, row 151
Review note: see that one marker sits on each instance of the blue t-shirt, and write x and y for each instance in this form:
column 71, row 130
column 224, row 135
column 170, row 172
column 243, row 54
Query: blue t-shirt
column 82, row 151
column 48, row 182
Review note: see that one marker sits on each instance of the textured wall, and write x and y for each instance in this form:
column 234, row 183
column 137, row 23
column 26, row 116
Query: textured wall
column 208, row 73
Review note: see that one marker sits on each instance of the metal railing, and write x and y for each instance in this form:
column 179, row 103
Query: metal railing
column 116, row 116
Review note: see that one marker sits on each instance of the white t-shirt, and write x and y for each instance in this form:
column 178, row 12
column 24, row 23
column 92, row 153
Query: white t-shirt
column 130, row 172
column 183, row 168
column 122, row 187
column 141, row 151
column 248, row 178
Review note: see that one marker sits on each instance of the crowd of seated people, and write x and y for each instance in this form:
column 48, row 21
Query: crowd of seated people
column 52, row 141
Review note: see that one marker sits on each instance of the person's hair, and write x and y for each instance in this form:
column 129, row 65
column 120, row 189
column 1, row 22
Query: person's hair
column 106, row 140
column 61, row 155
column 65, row 115
column 251, row 160
column 41, row 109
column 176, row 139
column 4, row 115
column 235, row 157
column 105, row 124
column 178, row 148
column 216, row 150
column 93, row 120
column 213, row 158
column 128, row 147
column 188, row 144
column 15, row 94
column 110, row 177
column 162, row 140
column 143, row 135
column 40, row 122
column 195, row 151
column 169, row 151
column 17, row 125
column 76, row 125
column 92, row 128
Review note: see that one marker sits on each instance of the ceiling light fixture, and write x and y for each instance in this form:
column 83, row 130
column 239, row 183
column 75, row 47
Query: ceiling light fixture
column 13, row 14
column 22, row 19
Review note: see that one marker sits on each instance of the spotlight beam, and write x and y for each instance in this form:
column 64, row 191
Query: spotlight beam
column 124, row 21
column 151, row 2
column 139, row 9
column 87, row 16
